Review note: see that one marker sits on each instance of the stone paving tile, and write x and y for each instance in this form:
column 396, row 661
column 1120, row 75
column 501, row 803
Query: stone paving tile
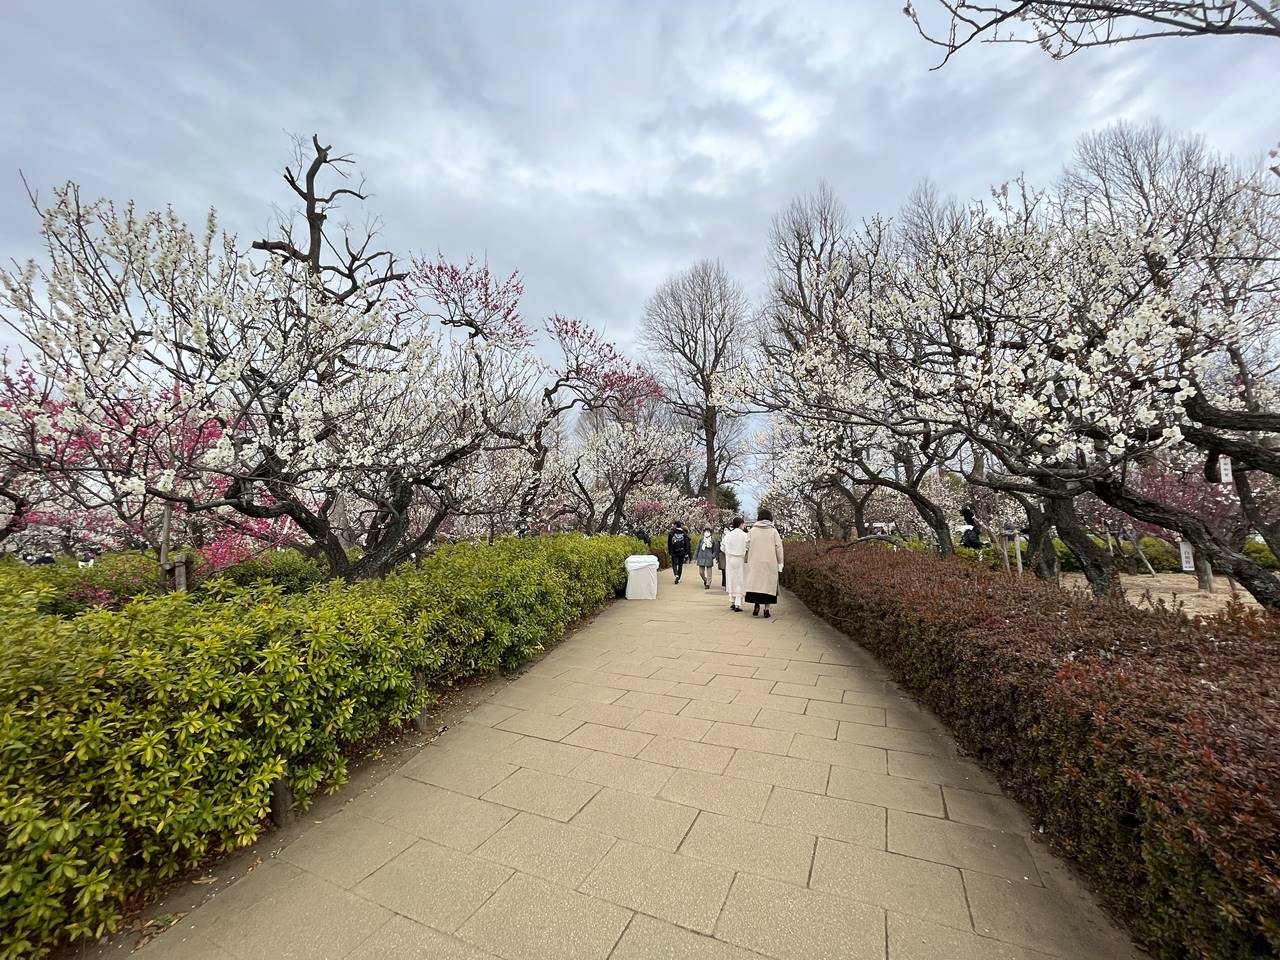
column 792, row 923
column 679, row 673
column 721, row 712
column 826, row 817
column 634, row 684
column 916, row 887
column 770, row 701
column 346, row 848
column 708, row 693
column 911, row 938
column 787, row 771
column 520, row 697
column 657, row 702
column 479, row 739
column 727, row 669
column 839, row 752
column 626, row 743
column 545, row 794
column 864, row 786
column 650, row 939
column 604, row 714
column 433, row 813
column 743, row 737
column 589, row 692
column 730, row 796
column 457, row 770
column 303, row 918
column 890, row 738
column 747, row 684
column 180, row 943
column 796, row 723
column 912, row 718
column 751, row 847
column 785, row 689
column 545, row 726
column 434, row 885
column 672, row 887
column 707, row 757
column 531, row 919
column 854, row 712
column 545, row 755
column 962, row 845
column 487, row 714
column 985, row 810
column 887, row 700
column 942, row 771
column 1041, row 919
column 666, row 725
column 546, row 848
column 402, row 939
column 623, row 773
column 652, row 822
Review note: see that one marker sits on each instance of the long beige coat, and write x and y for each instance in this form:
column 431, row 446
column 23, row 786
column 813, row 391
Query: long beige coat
column 764, row 556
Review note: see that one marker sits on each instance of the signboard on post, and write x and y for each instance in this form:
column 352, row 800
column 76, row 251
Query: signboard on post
column 1188, row 554
column 1224, row 469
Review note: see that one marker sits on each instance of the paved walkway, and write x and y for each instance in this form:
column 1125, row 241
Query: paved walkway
column 674, row 781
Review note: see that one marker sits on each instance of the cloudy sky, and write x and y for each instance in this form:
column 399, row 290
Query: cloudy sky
column 595, row 146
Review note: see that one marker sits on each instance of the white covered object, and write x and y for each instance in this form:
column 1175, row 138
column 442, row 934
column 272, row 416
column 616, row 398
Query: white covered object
column 642, row 577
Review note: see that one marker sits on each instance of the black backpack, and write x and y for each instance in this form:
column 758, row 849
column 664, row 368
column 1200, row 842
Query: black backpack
column 678, row 541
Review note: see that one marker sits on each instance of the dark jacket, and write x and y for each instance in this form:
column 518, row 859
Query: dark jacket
column 679, row 544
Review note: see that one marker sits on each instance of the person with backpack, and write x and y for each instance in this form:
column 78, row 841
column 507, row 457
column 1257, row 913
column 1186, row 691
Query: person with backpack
column 679, row 548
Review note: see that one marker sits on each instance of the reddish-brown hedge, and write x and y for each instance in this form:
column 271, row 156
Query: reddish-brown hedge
column 1145, row 744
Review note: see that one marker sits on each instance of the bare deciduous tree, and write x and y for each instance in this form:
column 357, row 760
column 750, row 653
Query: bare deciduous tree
column 1062, row 28
column 695, row 322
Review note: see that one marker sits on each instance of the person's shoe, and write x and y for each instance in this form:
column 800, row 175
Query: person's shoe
column 756, row 611
column 767, row 614
column 677, row 579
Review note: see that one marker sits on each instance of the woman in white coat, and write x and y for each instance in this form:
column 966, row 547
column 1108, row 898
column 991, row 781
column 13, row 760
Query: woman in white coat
column 764, row 563
column 734, row 546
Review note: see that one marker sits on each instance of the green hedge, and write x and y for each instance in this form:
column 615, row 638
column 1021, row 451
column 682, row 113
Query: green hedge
column 1260, row 553
column 1162, row 555
column 136, row 743
column 1146, row 745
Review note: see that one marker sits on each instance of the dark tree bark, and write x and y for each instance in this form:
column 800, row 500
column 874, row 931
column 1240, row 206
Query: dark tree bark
column 1098, row 565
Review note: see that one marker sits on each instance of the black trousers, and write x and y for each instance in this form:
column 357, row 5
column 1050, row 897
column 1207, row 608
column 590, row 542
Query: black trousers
column 677, row 565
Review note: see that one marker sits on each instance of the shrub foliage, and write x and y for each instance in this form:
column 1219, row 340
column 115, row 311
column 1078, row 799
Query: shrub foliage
column 136, row 743
column 1146, row 744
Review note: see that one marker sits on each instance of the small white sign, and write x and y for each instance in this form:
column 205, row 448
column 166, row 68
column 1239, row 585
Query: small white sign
column 1188, row 556
column 1224, row 469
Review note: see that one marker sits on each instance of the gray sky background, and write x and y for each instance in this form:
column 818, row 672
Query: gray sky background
column 595, row 146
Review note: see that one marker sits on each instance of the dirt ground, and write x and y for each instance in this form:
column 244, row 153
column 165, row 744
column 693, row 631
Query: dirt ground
column 1172, row 588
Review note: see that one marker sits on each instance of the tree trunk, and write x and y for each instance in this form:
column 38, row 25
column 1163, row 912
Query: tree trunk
column 1266, row 523
column 709, row 427
column 1261, row 583
column 1098, row 565
column 1139, row 552
column 1041, row 556
column 1204, row 573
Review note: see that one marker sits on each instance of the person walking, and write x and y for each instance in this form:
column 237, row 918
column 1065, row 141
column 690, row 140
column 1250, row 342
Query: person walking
column 724, row 582
column 706, row 555
column 764, row 563
column 679, row 548
column 734, row 546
